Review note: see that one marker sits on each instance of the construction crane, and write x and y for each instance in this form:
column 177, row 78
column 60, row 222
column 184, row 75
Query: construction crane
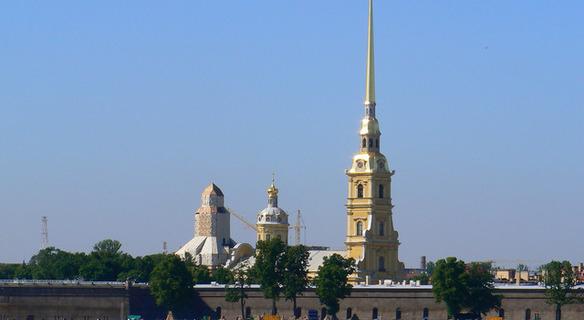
column 44, row 232
column 298, row 227
column 242, row 219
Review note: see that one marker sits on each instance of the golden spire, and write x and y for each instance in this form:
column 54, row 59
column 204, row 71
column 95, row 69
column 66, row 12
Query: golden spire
column 370, row 77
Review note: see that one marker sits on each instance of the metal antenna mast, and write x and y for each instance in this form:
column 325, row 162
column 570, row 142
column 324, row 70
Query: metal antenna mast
column 44, row 233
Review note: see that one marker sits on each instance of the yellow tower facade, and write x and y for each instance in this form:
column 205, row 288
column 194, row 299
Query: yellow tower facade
column 371, row 237
column 272, row 222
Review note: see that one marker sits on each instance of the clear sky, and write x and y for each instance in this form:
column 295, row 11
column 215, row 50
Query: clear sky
column 115, row 115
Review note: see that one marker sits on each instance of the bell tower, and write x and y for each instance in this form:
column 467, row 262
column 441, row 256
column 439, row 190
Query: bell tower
column 371, row 238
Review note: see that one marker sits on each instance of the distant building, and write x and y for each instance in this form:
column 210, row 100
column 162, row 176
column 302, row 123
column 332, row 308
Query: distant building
column 511, row 275
column 212, row 245
column 272, row 222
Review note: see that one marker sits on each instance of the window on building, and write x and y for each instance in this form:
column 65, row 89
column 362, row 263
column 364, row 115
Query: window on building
column 349, row 313
column 527, row 314
column 502, row 313
column 377, row 143
column 370, row 143
column 382, row 228
column 380, row 191
column 364, row 143
column 248, row 313
column 425, row 313
column 375, row 314
column 359, row 191
column 268, row 237
column 322, row 313
column 398, row 314
column 279, row 237
column 359, row 228
column 218, row 312
column 381, row 263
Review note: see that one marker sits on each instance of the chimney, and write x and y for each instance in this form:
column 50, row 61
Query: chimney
column 423, row 263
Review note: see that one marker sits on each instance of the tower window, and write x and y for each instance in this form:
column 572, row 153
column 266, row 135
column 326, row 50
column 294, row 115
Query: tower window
column 359, row 228
column 370, row 143
column 360, row 191
column 381, row 264
column 380, row 191
column 364, row 143
column 382, row 228
column 377, row 143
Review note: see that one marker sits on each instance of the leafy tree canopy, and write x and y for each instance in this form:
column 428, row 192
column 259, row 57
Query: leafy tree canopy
column 560, row 282
column 464, row 288
column 332, row 281
column 295, row 279
column 269, row 268
column 171, row 283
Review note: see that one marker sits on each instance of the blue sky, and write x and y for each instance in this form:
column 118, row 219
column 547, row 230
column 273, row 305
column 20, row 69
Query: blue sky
column 115, row 115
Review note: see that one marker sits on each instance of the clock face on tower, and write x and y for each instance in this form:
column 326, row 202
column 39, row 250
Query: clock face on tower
column 360, row 165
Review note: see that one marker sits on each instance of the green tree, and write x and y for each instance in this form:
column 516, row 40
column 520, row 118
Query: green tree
column 171, row 283
column 222, row 275
column 107, row 247
column 463, row 287
column 8, row 270
column 269, row 268
column 235, row 290
column 560, row 282
column 430, row 266
column 104, row 263
column 200, row 273
column 423, row 278
column 23, row 271
column 332, row 282
column 55, row 264
column 295, row 279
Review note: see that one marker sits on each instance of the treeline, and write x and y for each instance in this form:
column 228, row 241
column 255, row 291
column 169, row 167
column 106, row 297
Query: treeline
column 106, row 262
column 280, row 270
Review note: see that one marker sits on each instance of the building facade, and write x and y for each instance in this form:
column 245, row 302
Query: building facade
column 371, row 237
column 212, row 245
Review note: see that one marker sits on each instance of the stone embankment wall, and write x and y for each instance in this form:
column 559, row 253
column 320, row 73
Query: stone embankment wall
column 63, row 300
column 115, row 301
